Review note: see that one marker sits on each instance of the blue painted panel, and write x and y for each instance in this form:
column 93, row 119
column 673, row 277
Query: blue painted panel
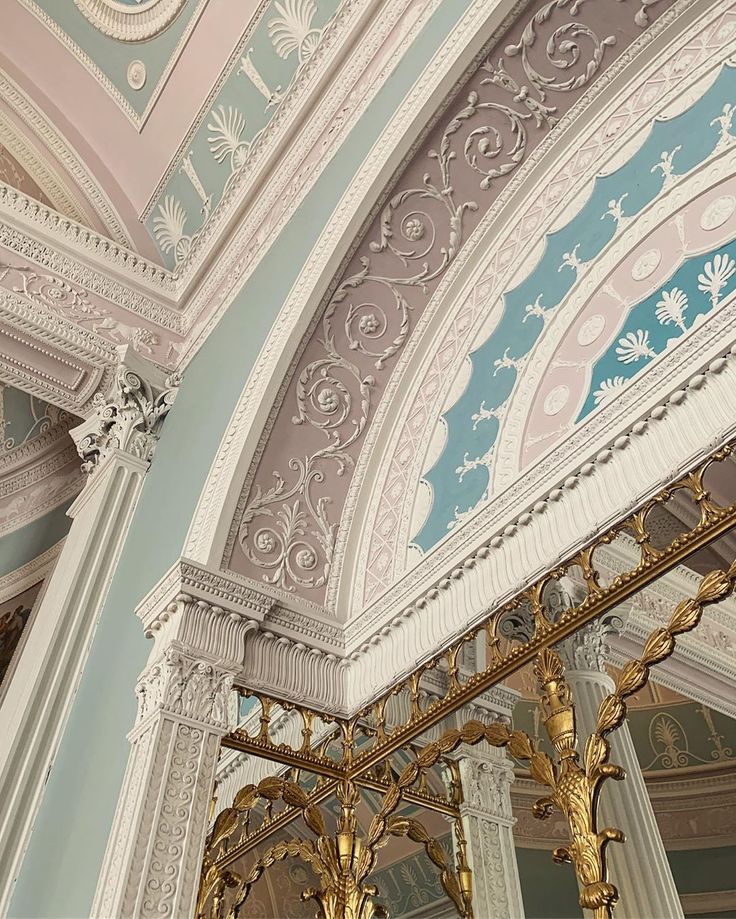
column 459, row 479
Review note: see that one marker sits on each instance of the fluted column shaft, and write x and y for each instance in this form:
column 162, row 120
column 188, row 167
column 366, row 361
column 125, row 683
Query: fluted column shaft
column 639, row 867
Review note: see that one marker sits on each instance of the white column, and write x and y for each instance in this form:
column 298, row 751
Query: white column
column 486, row 775
column 639, row 868
column 116, row 445
column 154, row 854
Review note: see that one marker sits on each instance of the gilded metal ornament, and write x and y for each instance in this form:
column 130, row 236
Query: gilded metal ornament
column 343, row 755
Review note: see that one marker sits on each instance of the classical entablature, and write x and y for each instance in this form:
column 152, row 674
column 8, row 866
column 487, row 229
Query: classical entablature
column 135, row 202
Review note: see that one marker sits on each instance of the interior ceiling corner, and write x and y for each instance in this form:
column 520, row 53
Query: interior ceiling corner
column 576, row 491
column 166, row 312
column 293, row 526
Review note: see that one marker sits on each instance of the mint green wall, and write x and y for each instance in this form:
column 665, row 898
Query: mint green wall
column 59, row 872
column 549, row 891
column 703, row 870
column 28, row 542
column 112, row 56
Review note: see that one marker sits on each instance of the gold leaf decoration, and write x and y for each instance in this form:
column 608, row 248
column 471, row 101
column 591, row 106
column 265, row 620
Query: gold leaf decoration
column 658, row 647
column 632, row 677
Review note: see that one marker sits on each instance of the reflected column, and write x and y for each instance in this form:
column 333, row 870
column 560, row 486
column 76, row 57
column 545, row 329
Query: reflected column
column 486, row 775
column 639, row 867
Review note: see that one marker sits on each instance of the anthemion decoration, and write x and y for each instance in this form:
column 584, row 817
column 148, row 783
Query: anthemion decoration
column 367, row 459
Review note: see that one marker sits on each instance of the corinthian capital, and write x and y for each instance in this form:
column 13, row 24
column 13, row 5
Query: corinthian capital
column 130, row 416
column 198, row 651
column 188, row 686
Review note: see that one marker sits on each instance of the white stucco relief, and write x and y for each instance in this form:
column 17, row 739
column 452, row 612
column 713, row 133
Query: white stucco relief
column 389, row 515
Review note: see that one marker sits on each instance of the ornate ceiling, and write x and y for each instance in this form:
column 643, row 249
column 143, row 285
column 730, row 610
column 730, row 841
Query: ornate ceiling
column 551, row 260
column 173, row 99
column 515, row 291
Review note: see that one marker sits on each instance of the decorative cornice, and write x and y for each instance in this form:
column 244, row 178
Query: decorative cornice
column 40, row 170
column 603, row 441
column 203, row 584
column 47, row 133
column 176, row 301
column 699, row 418
column 120, row 268
column 38, row 569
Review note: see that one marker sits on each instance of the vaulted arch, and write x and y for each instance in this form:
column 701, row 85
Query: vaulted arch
column 336, row 464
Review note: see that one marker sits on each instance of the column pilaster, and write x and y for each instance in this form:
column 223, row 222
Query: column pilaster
column 639, row 868
column 154, row 854
column 116, row 444
column 487, row 776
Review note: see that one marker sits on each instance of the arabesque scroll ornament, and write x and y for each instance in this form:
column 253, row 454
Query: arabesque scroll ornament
column 285, row 530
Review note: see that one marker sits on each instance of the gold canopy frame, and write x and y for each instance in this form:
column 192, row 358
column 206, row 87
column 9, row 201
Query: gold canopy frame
column 347, row 755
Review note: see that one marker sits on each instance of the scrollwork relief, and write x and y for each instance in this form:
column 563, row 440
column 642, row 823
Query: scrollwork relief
column 286, row 529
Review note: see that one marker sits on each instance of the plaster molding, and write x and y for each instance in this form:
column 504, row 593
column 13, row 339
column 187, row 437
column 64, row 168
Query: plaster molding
column 40, row 171
column 38, row 569
column 180, row 301
column 153, row 859
column 131, row 23
column 129, row 417
column 487, row 776
column 292, row 150
column 204, row 584
column 37, row 701
column 342, row 680
column 84, row 256
column 39, row 489
column 51, row 357
column 347, row 365
column 42, row 128
column 521, row 232
column 206, row 539
column 121, row 23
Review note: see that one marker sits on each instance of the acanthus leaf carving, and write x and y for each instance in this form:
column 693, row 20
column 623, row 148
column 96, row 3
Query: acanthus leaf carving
column 185, row 686
column 128, row 419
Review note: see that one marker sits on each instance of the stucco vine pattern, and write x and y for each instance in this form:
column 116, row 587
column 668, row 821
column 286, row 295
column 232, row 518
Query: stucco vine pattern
column 286, row 527
column 460, row 479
